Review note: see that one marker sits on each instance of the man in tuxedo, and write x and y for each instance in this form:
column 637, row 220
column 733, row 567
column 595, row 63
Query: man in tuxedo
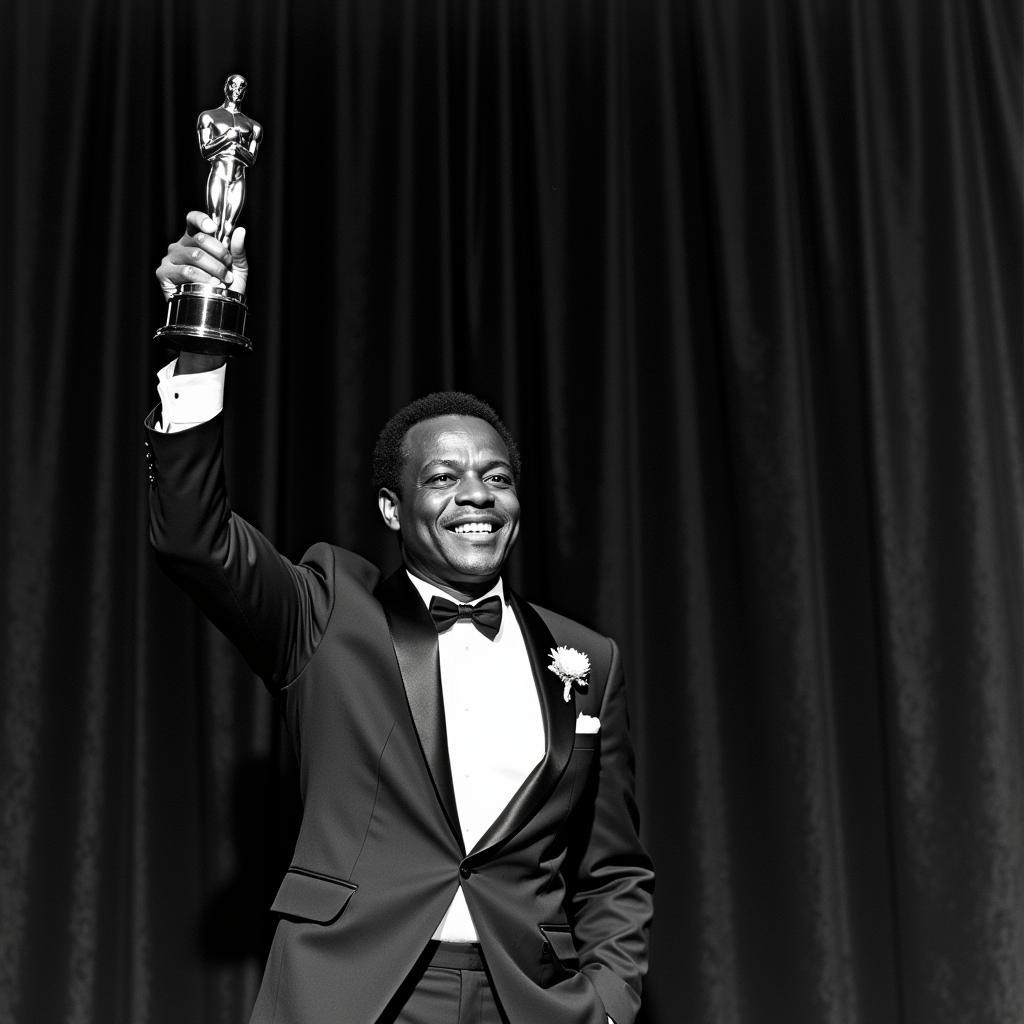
column 468, row 849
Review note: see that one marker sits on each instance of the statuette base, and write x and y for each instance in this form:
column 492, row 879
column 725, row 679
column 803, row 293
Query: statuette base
column 207, row 318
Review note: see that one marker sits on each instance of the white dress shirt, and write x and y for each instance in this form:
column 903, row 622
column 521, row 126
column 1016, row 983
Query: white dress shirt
column 189, row 399
column 494, row 725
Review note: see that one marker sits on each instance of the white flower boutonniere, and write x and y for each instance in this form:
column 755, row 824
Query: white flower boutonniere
column 572, row 667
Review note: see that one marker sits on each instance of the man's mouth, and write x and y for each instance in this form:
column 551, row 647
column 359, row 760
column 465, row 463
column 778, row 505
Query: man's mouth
column 468, row 528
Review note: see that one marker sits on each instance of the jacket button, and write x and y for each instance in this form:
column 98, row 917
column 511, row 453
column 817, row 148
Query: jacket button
column 465, row 872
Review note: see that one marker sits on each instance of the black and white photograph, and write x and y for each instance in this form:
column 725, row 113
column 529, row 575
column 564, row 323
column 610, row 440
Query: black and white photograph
column 512, row 512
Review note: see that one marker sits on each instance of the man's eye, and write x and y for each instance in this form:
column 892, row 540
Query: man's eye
column 442, row 478
column 501, row 479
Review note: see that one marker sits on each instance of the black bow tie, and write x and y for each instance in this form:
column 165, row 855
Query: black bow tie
column 486, row 615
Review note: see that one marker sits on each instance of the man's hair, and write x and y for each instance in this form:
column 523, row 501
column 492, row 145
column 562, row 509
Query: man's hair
column 389, row 453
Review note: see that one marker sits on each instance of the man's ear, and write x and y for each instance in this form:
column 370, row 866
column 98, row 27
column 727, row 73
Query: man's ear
column 387, row 502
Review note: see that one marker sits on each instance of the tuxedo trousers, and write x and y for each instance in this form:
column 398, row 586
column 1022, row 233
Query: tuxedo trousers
column 448, row 985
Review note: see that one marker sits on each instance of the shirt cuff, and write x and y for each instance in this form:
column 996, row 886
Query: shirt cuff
column 188, row 399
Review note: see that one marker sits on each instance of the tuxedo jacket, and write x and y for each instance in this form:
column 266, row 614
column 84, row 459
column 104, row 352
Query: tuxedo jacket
column 559, row 887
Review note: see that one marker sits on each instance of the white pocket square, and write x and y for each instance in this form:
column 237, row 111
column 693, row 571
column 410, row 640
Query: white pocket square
column 587, row 724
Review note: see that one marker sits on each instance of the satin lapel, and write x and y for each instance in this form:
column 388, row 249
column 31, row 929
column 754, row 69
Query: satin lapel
column 559, row 726
column 415, row 640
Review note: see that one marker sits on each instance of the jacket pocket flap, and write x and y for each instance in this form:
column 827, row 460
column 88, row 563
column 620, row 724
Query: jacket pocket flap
column 312, row 897
column 559, row 940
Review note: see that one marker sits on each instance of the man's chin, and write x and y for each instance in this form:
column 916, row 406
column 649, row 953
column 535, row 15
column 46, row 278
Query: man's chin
column 476, row 562
column 475, row 573
column 460, row 574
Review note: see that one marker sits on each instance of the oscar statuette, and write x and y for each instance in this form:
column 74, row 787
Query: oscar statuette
column 210, row 317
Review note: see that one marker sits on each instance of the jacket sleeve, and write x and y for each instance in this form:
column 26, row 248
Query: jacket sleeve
column 274, row 611
column 610, row 876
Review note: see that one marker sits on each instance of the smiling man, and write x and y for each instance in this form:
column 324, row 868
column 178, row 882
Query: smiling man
column 460, row 516
column 468, row 849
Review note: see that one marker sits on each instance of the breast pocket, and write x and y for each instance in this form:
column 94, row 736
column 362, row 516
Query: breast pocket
column 310, row 896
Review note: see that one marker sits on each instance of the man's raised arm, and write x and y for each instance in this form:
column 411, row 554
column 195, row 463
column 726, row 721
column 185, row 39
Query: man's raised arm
column 271, row 609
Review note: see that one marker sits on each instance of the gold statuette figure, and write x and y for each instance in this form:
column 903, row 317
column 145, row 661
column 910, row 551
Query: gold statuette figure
column 210, row 317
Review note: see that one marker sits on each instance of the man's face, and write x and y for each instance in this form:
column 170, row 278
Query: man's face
column 234, row 88
column 458, row 514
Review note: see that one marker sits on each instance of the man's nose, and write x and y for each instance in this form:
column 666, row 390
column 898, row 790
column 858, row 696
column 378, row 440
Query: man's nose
column 473, row 491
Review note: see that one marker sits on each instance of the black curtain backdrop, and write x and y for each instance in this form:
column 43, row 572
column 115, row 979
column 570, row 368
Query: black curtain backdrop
column 745, row 278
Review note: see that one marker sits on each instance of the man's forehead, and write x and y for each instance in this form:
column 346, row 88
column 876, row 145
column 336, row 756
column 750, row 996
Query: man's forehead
column 454, row 437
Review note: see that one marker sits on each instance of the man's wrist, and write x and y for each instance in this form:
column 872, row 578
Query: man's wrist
column 197, row 362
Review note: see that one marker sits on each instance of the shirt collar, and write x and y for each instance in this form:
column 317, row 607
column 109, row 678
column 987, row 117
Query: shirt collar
column 428, row 590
